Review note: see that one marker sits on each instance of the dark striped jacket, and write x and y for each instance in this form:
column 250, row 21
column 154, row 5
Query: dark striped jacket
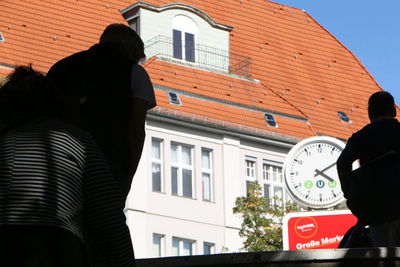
column 54, row 174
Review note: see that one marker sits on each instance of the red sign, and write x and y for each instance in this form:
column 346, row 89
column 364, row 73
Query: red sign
column 316, row 230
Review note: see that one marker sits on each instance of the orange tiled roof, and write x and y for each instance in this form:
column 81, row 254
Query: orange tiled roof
column 218, row 86
column 232, row 117
column 303, row 71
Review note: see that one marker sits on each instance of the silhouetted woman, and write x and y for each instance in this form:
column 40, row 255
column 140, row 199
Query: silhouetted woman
column 55, row 186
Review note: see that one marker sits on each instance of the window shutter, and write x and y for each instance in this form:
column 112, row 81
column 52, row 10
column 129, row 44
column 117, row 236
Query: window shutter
column 189, row 47
column 177, row 44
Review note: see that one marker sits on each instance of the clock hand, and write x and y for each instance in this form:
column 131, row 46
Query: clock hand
column 318, row 172
column 330, row 166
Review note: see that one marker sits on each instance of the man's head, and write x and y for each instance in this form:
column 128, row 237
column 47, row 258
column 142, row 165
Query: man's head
column 381, row 106
column 125, row 37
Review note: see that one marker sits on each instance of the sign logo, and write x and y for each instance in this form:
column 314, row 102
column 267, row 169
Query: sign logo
column 306, row 227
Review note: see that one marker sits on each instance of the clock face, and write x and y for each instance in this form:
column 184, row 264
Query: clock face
column 310, row 172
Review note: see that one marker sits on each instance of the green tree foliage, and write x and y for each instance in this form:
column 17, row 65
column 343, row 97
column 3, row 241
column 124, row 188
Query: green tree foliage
column 262, row 220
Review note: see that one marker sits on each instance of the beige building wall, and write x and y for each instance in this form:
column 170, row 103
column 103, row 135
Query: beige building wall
column 193, row 219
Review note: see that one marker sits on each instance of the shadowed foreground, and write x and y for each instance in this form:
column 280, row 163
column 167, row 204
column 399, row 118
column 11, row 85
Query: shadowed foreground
column 324, row 257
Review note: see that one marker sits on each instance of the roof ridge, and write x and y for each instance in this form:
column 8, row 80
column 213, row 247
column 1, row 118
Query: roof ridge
column 345, row 47
column 299, row 9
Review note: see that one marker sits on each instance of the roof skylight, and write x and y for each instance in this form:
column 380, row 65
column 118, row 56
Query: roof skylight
column 2, row 38
column 343, row 116
column 174, row 98
column 270, row 119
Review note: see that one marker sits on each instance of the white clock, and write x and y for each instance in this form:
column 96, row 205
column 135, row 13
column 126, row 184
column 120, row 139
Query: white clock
column 310, row 172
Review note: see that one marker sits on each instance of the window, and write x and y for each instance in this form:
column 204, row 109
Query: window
column 189, row 47
column 206, row 173
column 156, row 167
column 177, row 44
column 184, row 38
column 174, row 98
column 182, row 247
column 181, row 170
column 208, row 248
column 2, row 38
column 273, row 184
column 343, row 116
column 250, row 171
column 158, row 245
column 270, row 119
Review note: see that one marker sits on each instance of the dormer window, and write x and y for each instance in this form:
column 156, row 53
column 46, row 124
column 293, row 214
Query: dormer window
column 184, row 37
column 270, row 120
column 343, row 116
column 132, row 16
column 184, row 34
column 174, row 99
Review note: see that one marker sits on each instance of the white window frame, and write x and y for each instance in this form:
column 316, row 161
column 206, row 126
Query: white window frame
column 208, row 171
column 162, row 244
column 158, row 161
column 181, row 246
column 185, row 24
column 211, row 246
column 180, row 166
column 268, row 170
column 250, row 171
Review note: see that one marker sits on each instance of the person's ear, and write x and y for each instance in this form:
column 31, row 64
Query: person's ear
column 371, row 117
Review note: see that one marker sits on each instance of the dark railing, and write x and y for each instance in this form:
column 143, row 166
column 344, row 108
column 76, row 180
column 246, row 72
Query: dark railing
column 201, row 56
column 370, row 257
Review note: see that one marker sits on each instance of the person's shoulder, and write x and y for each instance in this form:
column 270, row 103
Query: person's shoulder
column 360, row 135
column 139, row 74
column 67, row 64
column 74, row 57
column 396, row 122
column 136, row 68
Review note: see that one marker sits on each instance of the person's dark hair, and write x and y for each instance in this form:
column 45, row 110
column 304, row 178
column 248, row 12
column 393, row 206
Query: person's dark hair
column 25, row 95
column 381, row 104
column 121, row 35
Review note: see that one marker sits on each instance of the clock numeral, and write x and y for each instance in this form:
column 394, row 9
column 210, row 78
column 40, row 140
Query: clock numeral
column 320, row 184
column 308, row 153
column 319, row 149
column 300, row 162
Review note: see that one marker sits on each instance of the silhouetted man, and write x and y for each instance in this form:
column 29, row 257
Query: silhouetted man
column 108, row 94
column 374, row 140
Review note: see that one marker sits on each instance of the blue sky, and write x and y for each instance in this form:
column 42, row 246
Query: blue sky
column 368, row 28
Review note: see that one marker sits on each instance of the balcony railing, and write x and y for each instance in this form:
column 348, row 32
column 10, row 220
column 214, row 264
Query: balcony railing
column 203, row 56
